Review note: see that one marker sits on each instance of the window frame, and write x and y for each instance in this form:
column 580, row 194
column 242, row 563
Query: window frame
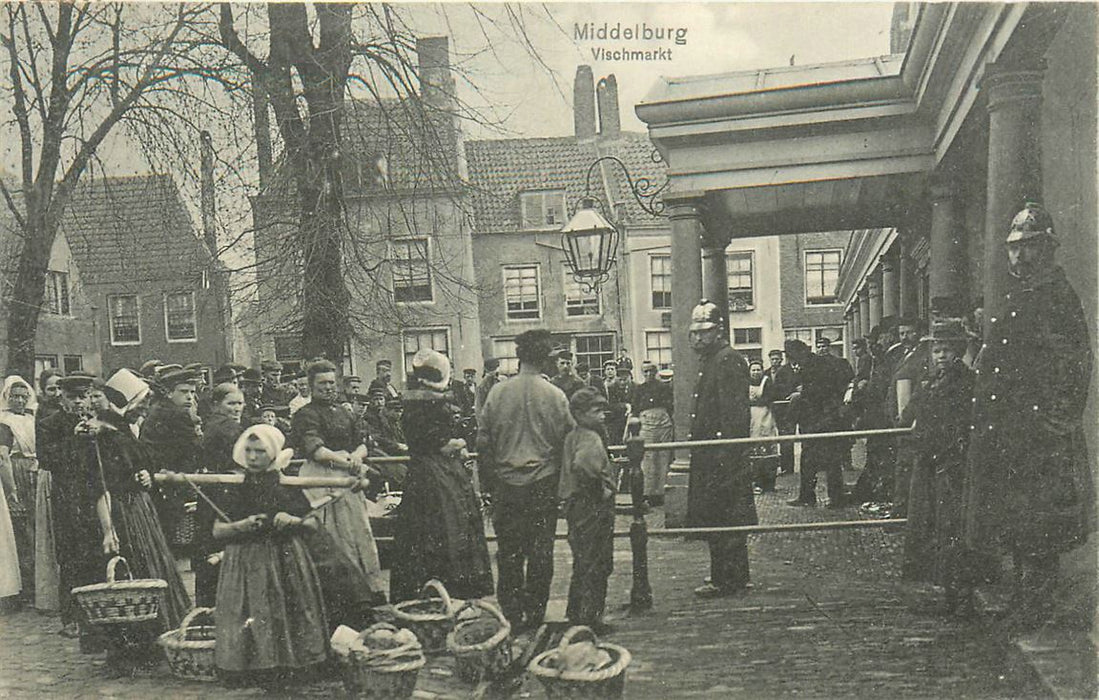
column 665, row 331
column 594, row 294
column 609, row 355
column 194, row 316
column 509, row 363
column 79, row 365
column 808, row 301
column 111, row 317
column 64, row 301
column 750, row 256
column 537, row 291
column 652, row 276
column 393, row 262
column 542, row 194
column 419, row 331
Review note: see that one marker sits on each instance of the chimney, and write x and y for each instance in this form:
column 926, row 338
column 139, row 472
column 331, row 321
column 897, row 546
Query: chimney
column 610, row 124
column 583, row 103
column 206, row 187
column 436, row 78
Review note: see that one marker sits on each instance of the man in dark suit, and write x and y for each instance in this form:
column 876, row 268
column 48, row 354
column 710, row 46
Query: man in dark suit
column 784, row 382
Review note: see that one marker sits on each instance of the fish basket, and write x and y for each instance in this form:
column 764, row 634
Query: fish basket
column 480, row 642
column 116, row 602
column 190, row 649
column 608, row 681
column 430, row 619
column 382, row 674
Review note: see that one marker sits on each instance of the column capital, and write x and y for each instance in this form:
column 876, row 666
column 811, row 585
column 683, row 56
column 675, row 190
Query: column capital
column 873, row 284
column 887, row 263
column 1005, row 87
column 685, row 208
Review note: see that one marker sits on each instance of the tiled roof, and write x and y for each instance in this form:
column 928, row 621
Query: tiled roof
column 131, row 230
column 499, row 170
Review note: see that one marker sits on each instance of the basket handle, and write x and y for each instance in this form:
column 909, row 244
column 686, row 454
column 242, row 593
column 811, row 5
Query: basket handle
column 577, row 631
column 111, row 566
column 190, row 617
column 376, row 626
column 439, row 588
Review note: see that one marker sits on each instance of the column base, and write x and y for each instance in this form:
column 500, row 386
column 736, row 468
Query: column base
column 675, row 494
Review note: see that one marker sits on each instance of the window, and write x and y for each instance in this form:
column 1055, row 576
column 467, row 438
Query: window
column 658, row 348
column 73, row 363
column 809, row 337
column 43, row 363
column 521, row 293
column 749, row 342
column 503, row 349
column 739, row 273
column 594, row 350
column 578, row 300
column 124, row 317
column 544, row 209
column 288, row 351
column 57, row 293
column 660, row 278
column 822, row 275
column 417, row 339
column 179, row 317
column 411, row 271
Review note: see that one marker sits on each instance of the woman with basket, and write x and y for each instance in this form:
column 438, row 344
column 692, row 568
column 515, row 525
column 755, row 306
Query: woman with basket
column 439, row 531
column 270, row 614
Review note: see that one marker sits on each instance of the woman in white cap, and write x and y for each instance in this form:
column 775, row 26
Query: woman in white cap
column 18, row 458
column 439, row 530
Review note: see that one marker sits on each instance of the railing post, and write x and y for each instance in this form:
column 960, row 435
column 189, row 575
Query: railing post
column 641, row 595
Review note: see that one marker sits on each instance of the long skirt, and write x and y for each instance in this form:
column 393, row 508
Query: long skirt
column 348, row 523
column 270, row 613
column 656, row 426
column 10, row 583
column 439, row 532
column 933, row 550
column 146, row 549
column 47, row 573
column 25, row 471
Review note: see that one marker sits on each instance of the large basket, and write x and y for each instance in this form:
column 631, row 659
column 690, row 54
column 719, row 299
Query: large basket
column 430, row 619
column 382, row 674
column 479, row 642
column 607, row 682
column 190, row 649
column 116, row 602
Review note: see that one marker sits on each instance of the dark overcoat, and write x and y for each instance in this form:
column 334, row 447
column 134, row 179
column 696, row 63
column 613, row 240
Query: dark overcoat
column 720, row 486
column 1029, row 482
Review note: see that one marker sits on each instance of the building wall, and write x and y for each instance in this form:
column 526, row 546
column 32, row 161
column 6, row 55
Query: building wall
column 796, row 314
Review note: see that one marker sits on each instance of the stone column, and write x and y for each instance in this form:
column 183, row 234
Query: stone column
column 1014, row 166
column 873, row 287
column 849, row 331
column 856, row 316
column 909, row 292
column 687, row 236
column 890, row 286
column 715, row 277
column 864, row 310
column 947, row 267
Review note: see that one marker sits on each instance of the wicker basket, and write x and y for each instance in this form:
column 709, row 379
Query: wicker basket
column 479, row 642
column 116, row 602
column 183, row 534
column 607, row 682
column 430, row 619
column 190, row 649
column 382, row 674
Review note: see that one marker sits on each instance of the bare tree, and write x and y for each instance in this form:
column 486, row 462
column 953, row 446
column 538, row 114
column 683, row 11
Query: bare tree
column 76, row 71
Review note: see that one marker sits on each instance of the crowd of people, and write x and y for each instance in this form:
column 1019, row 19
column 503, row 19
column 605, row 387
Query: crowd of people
column 995, row 460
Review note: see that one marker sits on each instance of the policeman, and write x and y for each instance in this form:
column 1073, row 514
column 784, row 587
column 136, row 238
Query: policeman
column 719, row 491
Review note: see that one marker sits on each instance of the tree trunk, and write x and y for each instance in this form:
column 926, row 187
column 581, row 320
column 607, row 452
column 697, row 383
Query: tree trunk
column 25, row 302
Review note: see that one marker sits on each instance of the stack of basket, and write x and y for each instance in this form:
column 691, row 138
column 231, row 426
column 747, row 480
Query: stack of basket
column 121, row 602
column 382, row 663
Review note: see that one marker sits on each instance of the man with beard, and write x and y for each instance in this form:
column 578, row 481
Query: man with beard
column 1030, row 484
column 719, row 492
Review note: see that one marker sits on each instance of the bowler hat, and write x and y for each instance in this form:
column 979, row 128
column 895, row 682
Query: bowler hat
column 492, row 364
column 705, row 316
column 946, row 330
column 270, row 366
column 251, row 376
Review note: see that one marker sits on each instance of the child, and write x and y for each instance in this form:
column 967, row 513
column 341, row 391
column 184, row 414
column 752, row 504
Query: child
column 270, row 615
column 587, row 487
column 933, row 545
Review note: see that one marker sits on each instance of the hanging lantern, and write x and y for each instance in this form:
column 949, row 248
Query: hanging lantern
column 590, row 243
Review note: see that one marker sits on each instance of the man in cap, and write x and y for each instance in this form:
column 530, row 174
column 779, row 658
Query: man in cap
column 272, row 391
column 386, row 436
column 819, row 409
column 350, row 385
column 565, row 379
column 719, row 492
column 173, row 432
column 521, row 432
column 652, row 403
column 618, row 405
column 1030, row 485
column 384, row 370
column 489, row 379
column 251, row 385
column 785, row 382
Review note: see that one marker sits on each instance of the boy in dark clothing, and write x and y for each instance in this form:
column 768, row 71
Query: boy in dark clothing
column 587, row 487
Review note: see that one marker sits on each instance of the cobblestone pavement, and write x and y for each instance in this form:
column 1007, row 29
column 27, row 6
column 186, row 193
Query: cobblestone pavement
column 826, row 618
